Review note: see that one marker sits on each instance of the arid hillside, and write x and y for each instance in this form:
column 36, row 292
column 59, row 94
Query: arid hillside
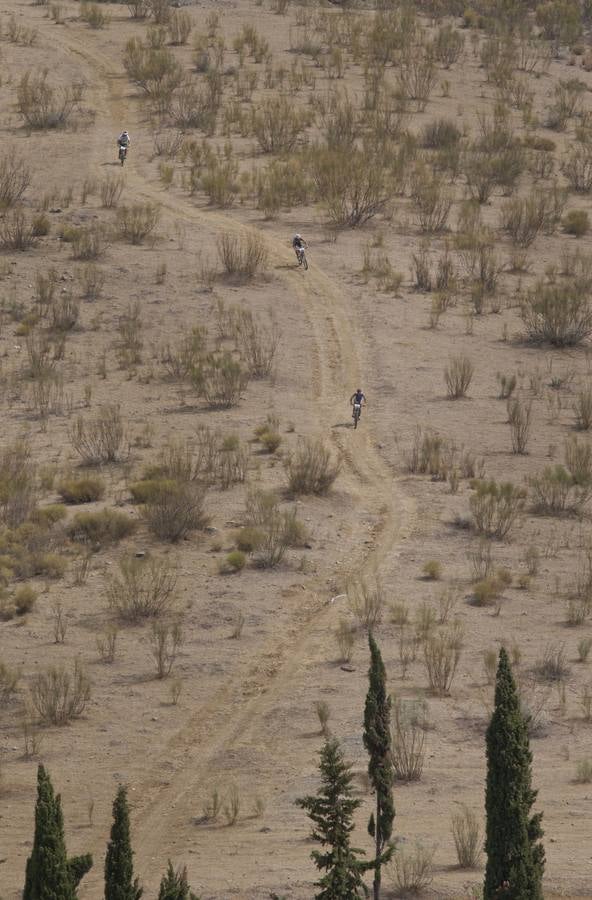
column 194, row 540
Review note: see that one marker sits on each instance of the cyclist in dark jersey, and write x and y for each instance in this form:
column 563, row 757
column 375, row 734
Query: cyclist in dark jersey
column 358, row 397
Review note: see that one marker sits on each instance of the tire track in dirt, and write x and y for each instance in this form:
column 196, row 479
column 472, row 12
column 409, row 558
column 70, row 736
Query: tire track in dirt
column 241, row 703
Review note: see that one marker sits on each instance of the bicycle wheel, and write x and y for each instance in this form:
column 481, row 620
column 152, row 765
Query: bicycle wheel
column 304, row 261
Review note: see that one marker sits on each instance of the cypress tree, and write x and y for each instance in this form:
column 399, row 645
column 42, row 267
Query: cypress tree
column 119, row 868
column 515, row 854
column 331, row 811
column 174, row 885
column 377, row 740
column 50, row 875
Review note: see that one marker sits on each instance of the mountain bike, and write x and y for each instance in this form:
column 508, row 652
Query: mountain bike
column 356, row 413
column 302, row 260
column 122, row 153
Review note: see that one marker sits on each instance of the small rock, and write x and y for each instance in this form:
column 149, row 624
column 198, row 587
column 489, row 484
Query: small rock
column 348, row 668
column 265, row 830
column 140, row 554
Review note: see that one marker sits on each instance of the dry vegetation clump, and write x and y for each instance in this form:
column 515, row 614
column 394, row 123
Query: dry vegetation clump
column 458, row 375
column 137, row 221
column 143, row 588
column 108, row 526
column 42, row 105
column 310, row 469
column 9, row 679
column 15, row 178
column 155, row 70
column 442, row 654
column 175, row 510
column 242, row 255
column 409, row 723
column 367, row 601
column 269, row 530
column 559, row 313
column 411, row 870
column 59, row 696
column 467, row 838
column 18, row 484
column 17, row 231
column 102, row 439
column 495, row 507
column 277, row 124
column 81, row 490
column 220, row 379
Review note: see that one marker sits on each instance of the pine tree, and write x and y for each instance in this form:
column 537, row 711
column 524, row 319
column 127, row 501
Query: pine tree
column 515, row 854
column 50, row 875
column 119, row 868
column 174, row 885
column 331, row 811
column 377, row 740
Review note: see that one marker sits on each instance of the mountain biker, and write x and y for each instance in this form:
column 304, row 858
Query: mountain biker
column 299, row 244
column 358, row 397
column 124, row 140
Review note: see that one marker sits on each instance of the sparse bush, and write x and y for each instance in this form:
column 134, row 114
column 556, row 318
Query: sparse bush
column 136, row 222
column 58, row 696
column 584, row 771
column 367, row 600
column 107, row 643
column 15, row 178
column 458, row 375
column 270, row 530
column 24, row 599
column 551, row 666
column 353, row 185
column 143, row 588
column 467, row 838
column 519, row 415
column 154, row 70
column 486, row 591
column 310, row 468
column 411, row 870
column 9, row 679
column 256, row 342
column 432, row 570
column 242, row 255
column 93, row 15
column 44, row 106
column 81, row 490
column 166, row 639
column 345, row 634
column 555, row 491
column 559, row 313
column 323, row 712
column 108, row 526
column 111, row 189
column 433, row 202
column 577, row 168
column 576, row 222
column 92, row 280
column 220, row 379
column 180, row 25
column 442, row 654
column 235, row 561
column 88, row 243
column 584, row 647
column 495, row 507
column 408, row 730
column 583, row 409
column 16, row 231
column 102, row 439
column 18, row 489
column 278, row 124
column 176, row 510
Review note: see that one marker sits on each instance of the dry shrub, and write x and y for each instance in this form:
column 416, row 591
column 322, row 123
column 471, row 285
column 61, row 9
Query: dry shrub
column 442, row 654
column 577, row 168
column 154, row 70
column 220, row 379
column 278, row 124
column 88, row 243
column 583, row 409
column 495, row 507
column 242, row 255
column 16, row 230
column 92, row 281
column 411, row 870
column 9, row 679
column 576, row 222
column 427, row 453
column 552, row 666
column 18, row 484
column 367, row 601
column 102, row 439
column 63, row 313
column 136, row 222
column 310, row 468
column 108, row 526
column 458, row 375
column 556, row 491
column 111, row 189
column 345, row 635
column 176, row 510
column 81, row 490
column 270, row 530
column 143, row 588
column 166, row 639
column 467, row 838
column 433, row 201
column 353, row 185
column 15, row 177
column 519, row 415
column 257, row 342
column 409, row 722
column 180, row 25
column 558, row 313
column 44, row 106
column 58, row 696
column 93, row 15
column 180, row 361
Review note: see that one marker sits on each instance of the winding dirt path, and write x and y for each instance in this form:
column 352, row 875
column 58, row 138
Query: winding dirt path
column 241, row 703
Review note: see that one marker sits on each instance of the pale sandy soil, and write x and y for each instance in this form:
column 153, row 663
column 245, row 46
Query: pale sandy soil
column 245, row 714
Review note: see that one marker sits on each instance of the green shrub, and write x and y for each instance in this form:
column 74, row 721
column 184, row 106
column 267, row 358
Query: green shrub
column 432, row 570
column 176, row 510
column 105, row 527
column 24, row 599
column 234, row 562
column 558, row 313
column 584, row 771
column 136, row 222
column 148, row 490
column 485, row 592
column 495, row 507
column 81, row 490
column 46, row 516
column 270, row 440
column 249, row 539
column 576, row 222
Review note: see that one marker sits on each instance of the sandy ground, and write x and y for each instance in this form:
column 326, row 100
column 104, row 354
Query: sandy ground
column 245, row 714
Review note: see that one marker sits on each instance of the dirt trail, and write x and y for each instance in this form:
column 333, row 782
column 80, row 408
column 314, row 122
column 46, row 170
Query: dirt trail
column 240, row 703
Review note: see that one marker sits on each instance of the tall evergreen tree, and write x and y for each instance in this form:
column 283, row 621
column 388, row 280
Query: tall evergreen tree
column 377, row 740
column 50, row 875
column 174, row 885
column 120, row 883
column 515, row 854
column 331, row 811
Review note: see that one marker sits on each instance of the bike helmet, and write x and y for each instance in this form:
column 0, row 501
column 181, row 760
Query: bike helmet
column 298, row 237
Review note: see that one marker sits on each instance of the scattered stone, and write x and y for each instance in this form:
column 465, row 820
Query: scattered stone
column 347, row 667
